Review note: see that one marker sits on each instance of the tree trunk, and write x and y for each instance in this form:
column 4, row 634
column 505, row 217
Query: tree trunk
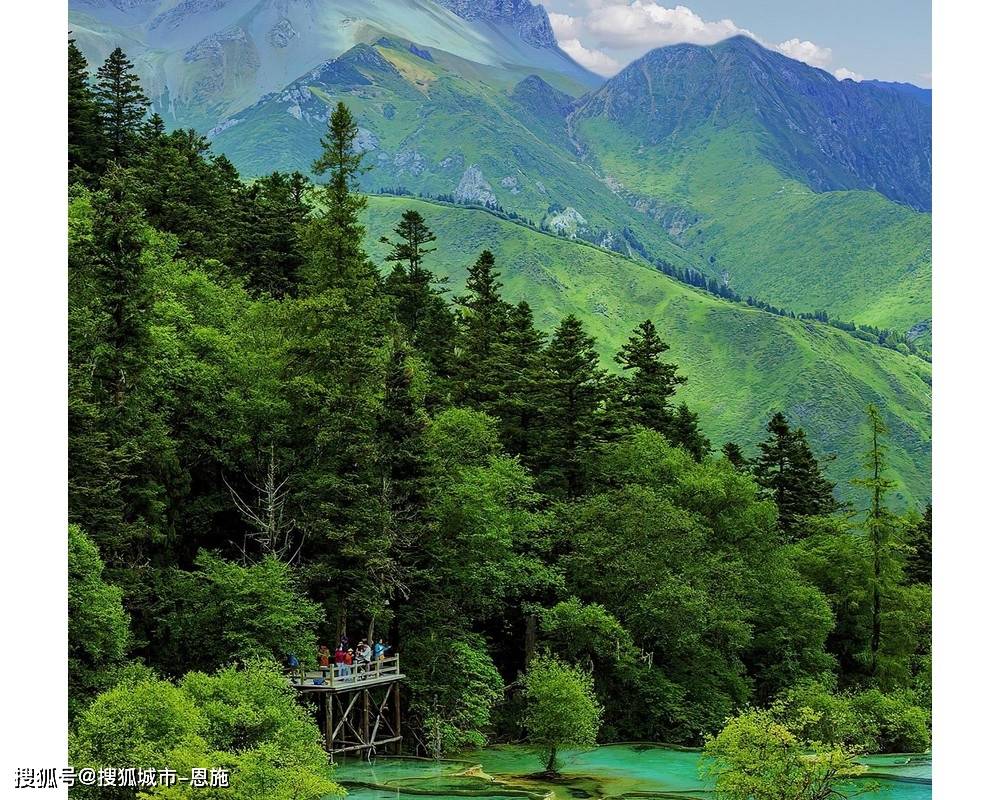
column 550, row 768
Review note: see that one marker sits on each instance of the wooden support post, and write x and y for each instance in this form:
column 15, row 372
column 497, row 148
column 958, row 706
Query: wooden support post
column 364, row 716
column 328, row 708
column 399, row 725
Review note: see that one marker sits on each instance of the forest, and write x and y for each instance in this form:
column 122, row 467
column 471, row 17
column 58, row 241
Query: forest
column 274, row 441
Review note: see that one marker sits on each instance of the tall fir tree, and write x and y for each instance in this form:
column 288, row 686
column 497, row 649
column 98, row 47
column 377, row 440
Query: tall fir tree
column 880, row 523
column 574, row 391
column 734, row 453
column 482, row 324
column 521, row 368
column 335, row 241
column 418, row 299
column 684, row 430
column 649, row 381
column 271, row 213
column 788, row 470
column 918, row 561
column 337, row 326
column 122, row 106
column 86, row 145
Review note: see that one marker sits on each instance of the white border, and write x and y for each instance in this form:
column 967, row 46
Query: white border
column 966, row 394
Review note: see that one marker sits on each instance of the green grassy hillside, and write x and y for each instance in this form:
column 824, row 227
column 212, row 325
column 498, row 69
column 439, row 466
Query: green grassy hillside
column 742, row 363
column 854, row 254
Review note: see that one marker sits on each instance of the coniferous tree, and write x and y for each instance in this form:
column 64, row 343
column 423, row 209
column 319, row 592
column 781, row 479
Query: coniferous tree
column 918, row 563
column 880, row 523
column 337, row 330
column 521, row 368
column 788, row 469
column 417, row 296
column 650, row 382
column 734, row 453
column 121, row 104
column 684, row 431
column 574, row 390
column 186, row 192
column 335, row 241
column 271, row 213
column 482, row 325
column 85, row 140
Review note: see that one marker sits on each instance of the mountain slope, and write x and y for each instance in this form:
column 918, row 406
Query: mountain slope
column 202, row 60
column 826, row 133
column 742, row 363
column 765, row 167
column 434, row 124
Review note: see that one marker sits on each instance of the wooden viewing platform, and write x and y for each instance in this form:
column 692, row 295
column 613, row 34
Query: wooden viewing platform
column 360, row 704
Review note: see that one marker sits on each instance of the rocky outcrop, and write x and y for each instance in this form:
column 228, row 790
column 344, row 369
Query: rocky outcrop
column 531, row 22
column 282, row 33
column 474, row 188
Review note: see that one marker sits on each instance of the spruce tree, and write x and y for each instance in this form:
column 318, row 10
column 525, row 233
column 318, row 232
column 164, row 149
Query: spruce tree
column 574, row 390
column 684, row 431
column 522, row 371
column 270, row 215
column 121, row 104
column 335, row 241
column 734, row 453
column 482, row 325
column 85, row 140
column 650, row 382
column 417, row 297
column 790, row 472
column 880, row 523
column 918, row 562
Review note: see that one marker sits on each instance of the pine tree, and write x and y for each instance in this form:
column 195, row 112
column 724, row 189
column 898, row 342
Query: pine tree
column 574, row 389
column 482, row 325
column 880, row 523
column 788, row 469
column 417, row 297
column 734, row 453
column 918, row 562
column 122, row 105
column 85, row 142
column 270, row 214
column 683, row 431
column 335, row 241
column 521, row 368
column 650, row 382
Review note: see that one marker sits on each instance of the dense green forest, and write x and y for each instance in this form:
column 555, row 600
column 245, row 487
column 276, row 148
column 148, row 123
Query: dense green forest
column 274, row 440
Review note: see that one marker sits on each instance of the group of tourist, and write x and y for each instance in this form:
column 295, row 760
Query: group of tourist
column 351, row 662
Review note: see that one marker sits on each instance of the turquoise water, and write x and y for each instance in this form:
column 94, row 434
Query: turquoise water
column 621, row 770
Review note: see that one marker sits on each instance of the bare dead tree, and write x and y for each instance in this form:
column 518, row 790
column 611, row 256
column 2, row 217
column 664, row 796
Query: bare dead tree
column 271, row 531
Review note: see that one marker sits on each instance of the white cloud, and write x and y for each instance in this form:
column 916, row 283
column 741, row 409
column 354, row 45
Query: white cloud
column 806, row 51
column 564, row 26
column 602, row 34
column 594, row 60
column 843, row 74
column 646, row 23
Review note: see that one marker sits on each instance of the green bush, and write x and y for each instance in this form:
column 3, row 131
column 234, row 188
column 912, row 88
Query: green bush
column 247, row 721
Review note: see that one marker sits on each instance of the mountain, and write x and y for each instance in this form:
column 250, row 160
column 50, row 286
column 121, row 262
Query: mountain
column 202, row 60
column 809, row 192
column 742, row 363
column 828, row 134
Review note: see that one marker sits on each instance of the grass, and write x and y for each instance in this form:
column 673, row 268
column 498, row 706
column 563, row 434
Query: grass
column 743, row 364
column 855, row 254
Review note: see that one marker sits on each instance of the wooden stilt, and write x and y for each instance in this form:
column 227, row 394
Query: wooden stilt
column 328, row 715
column 364, row 716
column 398, row 728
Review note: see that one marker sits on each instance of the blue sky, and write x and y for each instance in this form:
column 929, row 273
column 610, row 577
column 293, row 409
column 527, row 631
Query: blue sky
column 885, row 39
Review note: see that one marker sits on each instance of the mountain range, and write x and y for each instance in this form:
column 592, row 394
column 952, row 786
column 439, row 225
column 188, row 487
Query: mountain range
column 766, row 176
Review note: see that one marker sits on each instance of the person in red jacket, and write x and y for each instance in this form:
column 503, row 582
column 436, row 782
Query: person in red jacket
column 338, row 659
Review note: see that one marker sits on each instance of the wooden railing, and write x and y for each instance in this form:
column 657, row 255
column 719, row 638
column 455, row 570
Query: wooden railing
column 343, row 674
